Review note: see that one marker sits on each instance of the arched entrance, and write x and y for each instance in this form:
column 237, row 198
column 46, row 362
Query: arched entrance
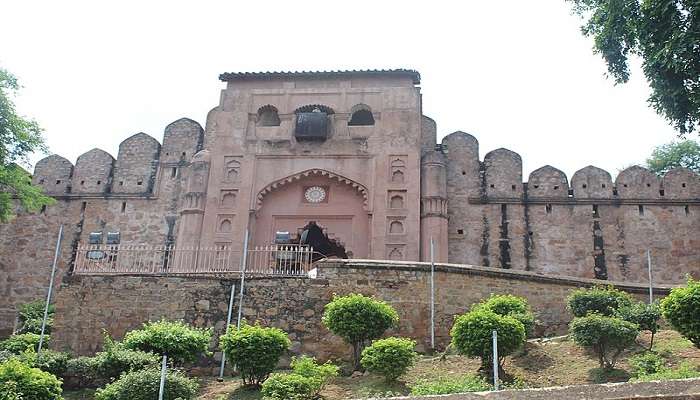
column 321, row 203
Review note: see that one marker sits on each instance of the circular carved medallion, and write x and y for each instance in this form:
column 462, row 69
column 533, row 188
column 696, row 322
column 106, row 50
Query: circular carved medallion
column 315, row 194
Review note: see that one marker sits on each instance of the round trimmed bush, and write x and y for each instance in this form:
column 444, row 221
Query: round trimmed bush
column 255, row 350
column 645, row 316
column 514, row 306
column 308, row 367
column 358, row 319
column 681, row 308
column 472, row 335
column 607, row 336
column 28, row 382
column 180, row 341
column 600, row 300
column 390, row 357
column 289, row 387
column 145, row 385
column 117, row 359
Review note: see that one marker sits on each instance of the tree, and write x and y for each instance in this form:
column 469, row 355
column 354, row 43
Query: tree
column 666, row 35
column 255, row 350
column 19, row 137
column 646, row 316
column 357, row 319
column 606, row 336
column 683, row 154
column 472, row 336
column 681, row 308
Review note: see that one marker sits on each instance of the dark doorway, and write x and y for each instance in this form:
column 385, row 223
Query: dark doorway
column 323, row 246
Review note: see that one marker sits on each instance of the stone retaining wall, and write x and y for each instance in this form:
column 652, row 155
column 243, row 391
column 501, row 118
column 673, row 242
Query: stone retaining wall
column 86, row 305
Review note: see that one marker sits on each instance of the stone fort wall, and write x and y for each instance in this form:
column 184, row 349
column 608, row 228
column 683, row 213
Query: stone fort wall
column 85, row 305
column 137, row 194
column 589, row 226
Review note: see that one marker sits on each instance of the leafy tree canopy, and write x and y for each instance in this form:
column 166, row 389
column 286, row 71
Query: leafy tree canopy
column 685, row 154
column 666, row 35
column 19, row 137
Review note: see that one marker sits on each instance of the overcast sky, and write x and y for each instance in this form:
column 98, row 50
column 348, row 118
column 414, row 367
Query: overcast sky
column 515, row 74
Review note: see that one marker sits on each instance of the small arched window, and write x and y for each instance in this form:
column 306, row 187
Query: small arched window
column 268, row 116
column 361, row 116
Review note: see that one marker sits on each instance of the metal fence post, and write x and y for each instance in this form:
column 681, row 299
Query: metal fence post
column 163, row 371
column 432, row 295
column 243, row 267
column 495, row 359
column 228, row 323
column 48, row 296
column 651, row 284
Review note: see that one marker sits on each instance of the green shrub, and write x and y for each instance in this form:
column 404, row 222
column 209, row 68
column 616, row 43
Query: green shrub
column 449, row 385
column 53, row 362
column 289, row 387
column 29, row 383
column 646, row 363
column 390, row 357
column 646, row 316
column 358, row 319
column 601, row 300
column 83, row 370
column 255, row 350
column 683, row 371
column 180, row 341
column 31, row 316
column 607, row 336
column 17, row 344
column 308, row 367
column 116, row 359
column 507, row 304
column 145, row 385
column 10, row 391
column 472, row 335
column 681, row 308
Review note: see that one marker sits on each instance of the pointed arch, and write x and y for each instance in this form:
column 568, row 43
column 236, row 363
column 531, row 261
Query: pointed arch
column 361, row 189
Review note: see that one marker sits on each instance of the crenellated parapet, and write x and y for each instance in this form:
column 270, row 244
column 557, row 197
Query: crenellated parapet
column 136, row 164
column 93, row 172
column 499, row 179
column 134, row 172
column 53, row 174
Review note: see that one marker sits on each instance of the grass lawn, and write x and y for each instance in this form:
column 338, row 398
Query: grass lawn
column 539, row 364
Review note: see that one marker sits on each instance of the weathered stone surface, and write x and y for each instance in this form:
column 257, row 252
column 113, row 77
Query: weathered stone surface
column 390, row 189
column 87, row 304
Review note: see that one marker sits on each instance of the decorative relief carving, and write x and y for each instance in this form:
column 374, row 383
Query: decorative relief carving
column 227, row 198
column 397, row 170
column 224, row 223
column 395, row 252
column 232, row 169
column 396, row 199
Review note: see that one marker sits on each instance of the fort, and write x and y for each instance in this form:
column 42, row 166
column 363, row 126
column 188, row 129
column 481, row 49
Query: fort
column 351, row 153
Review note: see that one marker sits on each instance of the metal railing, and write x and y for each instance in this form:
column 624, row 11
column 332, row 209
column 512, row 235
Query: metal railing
column 294, row 260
